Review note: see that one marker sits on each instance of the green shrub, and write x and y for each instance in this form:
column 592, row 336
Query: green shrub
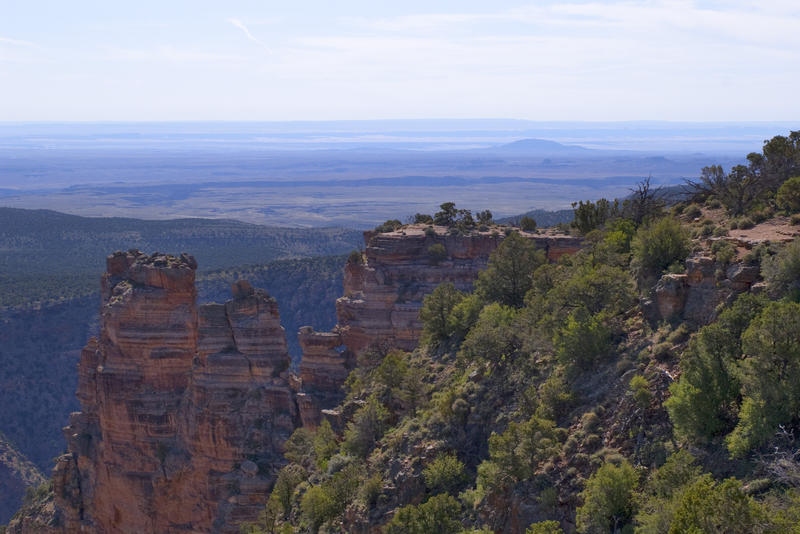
column 782, row 271
column 757, row 254
column 356, row 257
column 515, row 454
column 389, row 226
column 317, row 507
column 423, row 218
column 288, row 479
column 720, row 231
column 704, row 401
column 370, row 490
column 463, row 317
column 710, row 506
column 494, row 337
column 328, row 501
column 508, row 276
column 745, row 223
column 435, row 313
column 570, row 446
column 794, row 220
column 693, row 211
column 770, row 376
column 583, row 340
column 446, row 215
column 723, row 251
column 592, row 442
column 679, row 335
column 658, row 245
column 325, row 444
column 485, row 217
column 788, row 197
column 445, row 474
column 663, row 490
column 299, row 448
column 760, row 215
column 430, row 231
column 640, row 389
column 555, row 396
column 366, row 428
column 590, row 421
column 619, row 235
column 527, row 224
column 545, row 527
column 608, row 504
column 436, row 253
column 592, row 215
column 438, row 515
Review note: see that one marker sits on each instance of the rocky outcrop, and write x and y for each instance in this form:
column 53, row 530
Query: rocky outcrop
column 384, row 292
column 696, row 294
column 184, row 409
column 384, row 289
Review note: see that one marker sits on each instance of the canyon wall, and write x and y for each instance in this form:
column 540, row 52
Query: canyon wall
column 184, row 409
column 383, row 292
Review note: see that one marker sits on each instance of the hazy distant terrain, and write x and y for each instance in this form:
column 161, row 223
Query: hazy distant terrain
column 355, row 173
column 49, row 256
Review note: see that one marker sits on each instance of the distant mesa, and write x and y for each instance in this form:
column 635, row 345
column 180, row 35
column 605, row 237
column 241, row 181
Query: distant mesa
column 540, row 146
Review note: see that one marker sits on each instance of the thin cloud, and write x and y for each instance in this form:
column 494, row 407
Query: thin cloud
column 167, row 53
column 15, row 42
column 239, row 24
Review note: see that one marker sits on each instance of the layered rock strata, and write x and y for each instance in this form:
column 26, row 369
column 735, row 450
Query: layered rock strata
column 384, row 289
column 184, row 408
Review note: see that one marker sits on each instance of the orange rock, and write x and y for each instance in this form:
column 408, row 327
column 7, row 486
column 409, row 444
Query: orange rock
column 185, row 409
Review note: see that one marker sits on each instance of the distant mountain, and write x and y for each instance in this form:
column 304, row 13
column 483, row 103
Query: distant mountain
column 540, row 146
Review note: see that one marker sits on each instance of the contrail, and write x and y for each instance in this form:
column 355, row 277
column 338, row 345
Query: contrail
column 239, row 24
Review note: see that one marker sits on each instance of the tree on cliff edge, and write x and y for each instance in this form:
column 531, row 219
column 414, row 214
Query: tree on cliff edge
column 508, row 276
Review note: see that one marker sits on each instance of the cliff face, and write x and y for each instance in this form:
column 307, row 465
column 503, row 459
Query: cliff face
column 694, row 295
column 383, row 294
column 184, row 409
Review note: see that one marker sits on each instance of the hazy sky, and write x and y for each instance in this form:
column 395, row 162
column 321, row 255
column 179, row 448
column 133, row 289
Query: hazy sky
column 294, row 59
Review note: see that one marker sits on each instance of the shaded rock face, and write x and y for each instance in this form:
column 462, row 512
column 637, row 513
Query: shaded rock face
column 695, row 295
column 184, row 409
column 383, row 294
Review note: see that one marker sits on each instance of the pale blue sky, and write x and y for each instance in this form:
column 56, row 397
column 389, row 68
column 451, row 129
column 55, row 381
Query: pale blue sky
column 302, row 60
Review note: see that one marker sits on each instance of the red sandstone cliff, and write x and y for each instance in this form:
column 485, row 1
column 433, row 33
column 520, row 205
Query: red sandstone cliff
column 184, row 409
column 383, row 294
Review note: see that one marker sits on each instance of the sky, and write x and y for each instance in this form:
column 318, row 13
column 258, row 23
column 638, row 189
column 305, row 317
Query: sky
column 161, row 60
